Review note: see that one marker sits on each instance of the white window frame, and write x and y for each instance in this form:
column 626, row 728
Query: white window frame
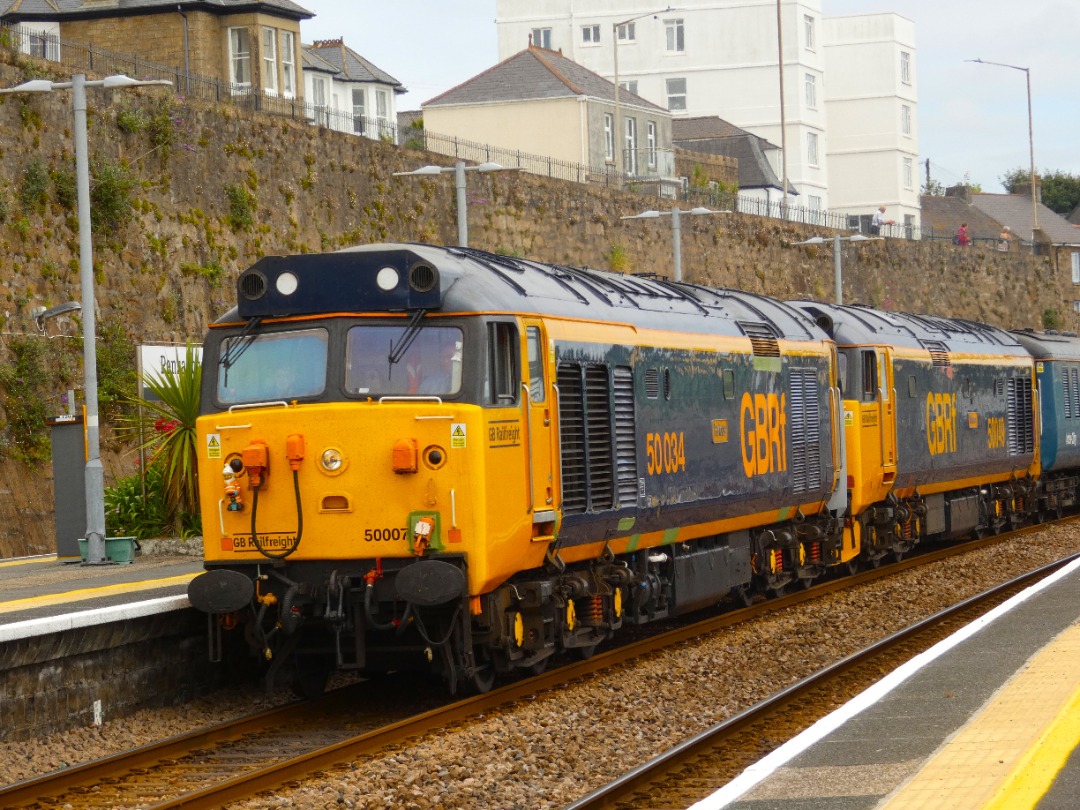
column 909, row 173
column 627, row 32
column 240, row 57
column 288, row 64
column 630, row 143
column 359, row 110
column 808, row 31
column 541, row 38
column 1076, row 267
column 629, row 86
column 811, row 91
column 812, row 154
column 650, row 139
column 382, row 112
column 905, row 120
column 318, row 91
column 676, row 94
column 609, row 137
column 674, row 36
column 905, row 67
column 269, row 61
column 813, row 202
column 590, row 34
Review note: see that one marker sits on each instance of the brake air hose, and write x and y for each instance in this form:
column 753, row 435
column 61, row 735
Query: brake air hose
column 299, row 522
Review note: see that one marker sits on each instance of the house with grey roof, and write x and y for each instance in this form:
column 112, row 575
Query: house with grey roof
column 987, row 215
column 759, row 160
column 254, row 45
column 539, row 102
column 348, row 93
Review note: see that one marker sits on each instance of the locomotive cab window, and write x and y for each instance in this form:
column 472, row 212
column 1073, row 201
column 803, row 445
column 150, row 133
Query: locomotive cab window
column 535, row 348
column 869, row 376
column 427, row 362
column 272, row 367
column 503, row 378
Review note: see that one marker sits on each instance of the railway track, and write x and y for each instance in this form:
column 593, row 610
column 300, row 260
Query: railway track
column 703, row 764
column 241, row 759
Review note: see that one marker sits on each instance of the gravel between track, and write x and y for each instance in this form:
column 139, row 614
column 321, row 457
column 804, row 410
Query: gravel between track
column 544, row 753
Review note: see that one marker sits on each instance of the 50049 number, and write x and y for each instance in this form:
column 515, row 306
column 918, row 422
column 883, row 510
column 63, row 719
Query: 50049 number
column 376, row 535
column 666, row 452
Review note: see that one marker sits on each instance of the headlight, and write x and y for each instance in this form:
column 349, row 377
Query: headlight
column 332, row 461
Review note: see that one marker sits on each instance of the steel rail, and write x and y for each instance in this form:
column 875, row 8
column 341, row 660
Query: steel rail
column 655, row 770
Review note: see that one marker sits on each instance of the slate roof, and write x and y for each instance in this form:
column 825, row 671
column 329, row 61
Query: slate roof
column 987, row 213
column 56, row 10
column 716, row 136
column 533, row 74
column 312, row 61
column 1014, row 210
column 351, row 66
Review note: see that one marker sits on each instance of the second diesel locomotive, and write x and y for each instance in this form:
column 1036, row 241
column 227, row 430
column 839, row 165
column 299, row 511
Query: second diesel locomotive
column 437, row 457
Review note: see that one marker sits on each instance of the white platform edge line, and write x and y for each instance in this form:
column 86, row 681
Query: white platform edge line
column 766, row 766
column 88, row 618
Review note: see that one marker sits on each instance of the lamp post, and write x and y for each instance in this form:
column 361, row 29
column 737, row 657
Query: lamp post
column 838, row 273
column 676, row 229
column 94, row 478
column 1031, row 143
column 459, row 170
column 615, row 59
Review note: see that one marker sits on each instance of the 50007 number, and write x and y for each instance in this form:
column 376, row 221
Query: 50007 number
column 375, row 535
column 666, row 451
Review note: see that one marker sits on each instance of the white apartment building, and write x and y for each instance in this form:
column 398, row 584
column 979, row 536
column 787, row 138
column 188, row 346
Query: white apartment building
column 871, row 106
column 720, row 58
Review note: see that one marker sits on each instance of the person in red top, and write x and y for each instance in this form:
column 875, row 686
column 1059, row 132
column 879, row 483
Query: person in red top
column 962, row 237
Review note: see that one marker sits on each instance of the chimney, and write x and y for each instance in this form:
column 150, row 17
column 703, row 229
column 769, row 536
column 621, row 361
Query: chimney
column 961, row 191
column 1024, row 190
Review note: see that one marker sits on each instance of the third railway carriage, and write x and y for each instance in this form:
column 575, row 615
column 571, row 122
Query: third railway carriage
column 413, row 455
column 1057, row 374
column 940, row 426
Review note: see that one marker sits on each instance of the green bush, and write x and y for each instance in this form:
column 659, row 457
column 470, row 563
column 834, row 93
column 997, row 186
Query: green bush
column 241, row 207
column 111, row 185
column 129, row 512
column 25, row 395
column 33, row 191
column 117, row 378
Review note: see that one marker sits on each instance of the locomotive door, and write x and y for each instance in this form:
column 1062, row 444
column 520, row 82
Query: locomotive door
column 887, row 400
column 538, row 402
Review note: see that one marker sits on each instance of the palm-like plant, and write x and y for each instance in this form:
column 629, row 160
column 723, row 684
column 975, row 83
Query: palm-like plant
column 167, row 426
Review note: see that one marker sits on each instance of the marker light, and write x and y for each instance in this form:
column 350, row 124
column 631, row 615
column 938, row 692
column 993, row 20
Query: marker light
column 286, row 283
column 387, row 278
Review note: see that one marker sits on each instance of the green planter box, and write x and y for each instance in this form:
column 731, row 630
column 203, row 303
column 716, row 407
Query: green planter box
column 117, row 549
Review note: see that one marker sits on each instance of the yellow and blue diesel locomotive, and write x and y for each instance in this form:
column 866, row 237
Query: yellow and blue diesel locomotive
column 439, row 457
column 414, row 456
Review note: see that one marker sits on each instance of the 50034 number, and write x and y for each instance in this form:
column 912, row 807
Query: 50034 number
column 666, row 452
column 376, row 535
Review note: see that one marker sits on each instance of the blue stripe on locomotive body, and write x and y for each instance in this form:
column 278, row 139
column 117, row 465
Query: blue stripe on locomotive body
column 1057, row 374
column 964, row 375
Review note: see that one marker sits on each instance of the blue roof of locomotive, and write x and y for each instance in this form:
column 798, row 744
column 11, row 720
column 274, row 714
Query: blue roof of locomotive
column 1050, row 345
column 859, row 325
column 475, row 281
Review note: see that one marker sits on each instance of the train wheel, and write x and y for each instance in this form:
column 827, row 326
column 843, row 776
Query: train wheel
column 483, row 677
column 743, row 596
column 311, row 674
column 581, row 653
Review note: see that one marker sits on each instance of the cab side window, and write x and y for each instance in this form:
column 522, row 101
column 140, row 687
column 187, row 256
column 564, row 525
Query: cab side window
column 869, row 376
column 535, row 348
column 503, row 377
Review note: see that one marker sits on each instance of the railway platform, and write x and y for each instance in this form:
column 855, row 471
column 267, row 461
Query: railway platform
column 42, row 595
column 988, row 719
column 79, row 643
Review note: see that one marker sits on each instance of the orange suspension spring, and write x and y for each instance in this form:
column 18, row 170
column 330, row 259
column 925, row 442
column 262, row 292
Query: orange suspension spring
column 596, row 610
column 815, row 552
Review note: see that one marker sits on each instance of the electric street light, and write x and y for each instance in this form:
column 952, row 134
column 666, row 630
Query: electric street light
column 676, row 229
column 838, row 274
column 459, row 182
column 94, row 476
column 1031, row 144
column 619, row 136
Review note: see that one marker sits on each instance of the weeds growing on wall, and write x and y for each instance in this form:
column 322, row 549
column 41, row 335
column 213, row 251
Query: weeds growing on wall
column 34, row 187
column 619, row 259
column 25, row 400
column 111, row 185
column 117, row 378
column 241, row 207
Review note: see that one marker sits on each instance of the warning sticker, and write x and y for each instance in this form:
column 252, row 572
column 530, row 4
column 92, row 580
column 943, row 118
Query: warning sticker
column 213, row 445
column 457, row 434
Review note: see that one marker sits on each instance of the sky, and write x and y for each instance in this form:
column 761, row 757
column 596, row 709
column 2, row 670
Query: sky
column 973, row 119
